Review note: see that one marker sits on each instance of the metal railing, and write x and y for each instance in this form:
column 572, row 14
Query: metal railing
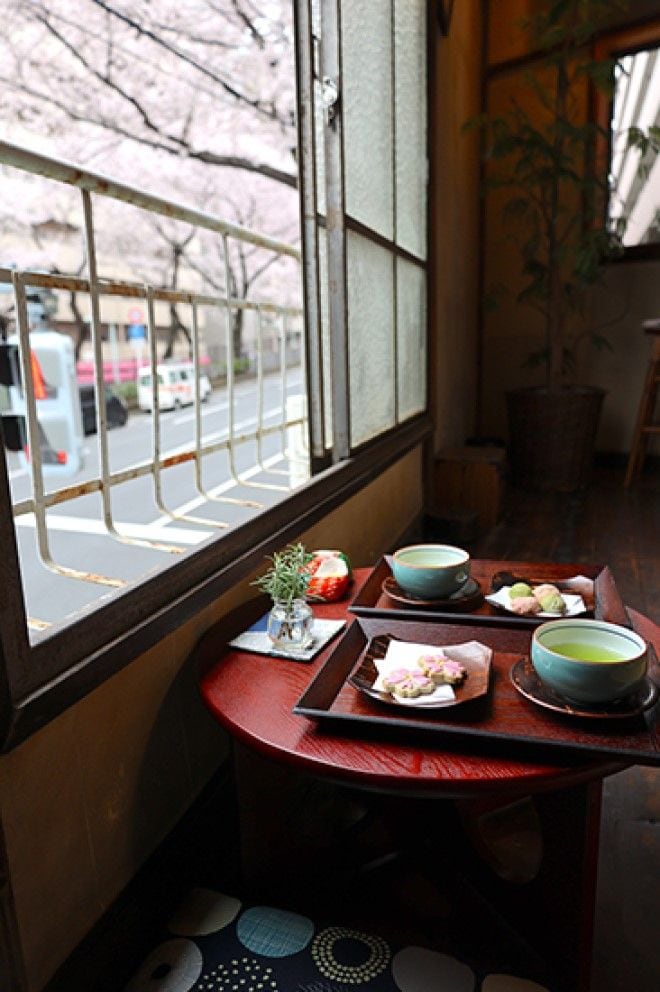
column 96, row 287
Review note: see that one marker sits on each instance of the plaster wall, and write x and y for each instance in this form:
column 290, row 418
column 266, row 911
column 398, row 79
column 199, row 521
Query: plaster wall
column 87, row 799
column 630, row 294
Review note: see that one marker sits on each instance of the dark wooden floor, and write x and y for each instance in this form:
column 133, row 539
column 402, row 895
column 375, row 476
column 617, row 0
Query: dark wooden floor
column 606, row 523
column 622, row 528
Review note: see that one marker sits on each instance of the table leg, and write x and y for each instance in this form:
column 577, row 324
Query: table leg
column 554, row 911
column 287, row 820
column 265, row 790
column 289, row 824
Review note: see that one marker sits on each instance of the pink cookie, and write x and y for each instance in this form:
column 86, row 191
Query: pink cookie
column 453, row 672
column 433, row 666
column 415, row 685
column 395, row 677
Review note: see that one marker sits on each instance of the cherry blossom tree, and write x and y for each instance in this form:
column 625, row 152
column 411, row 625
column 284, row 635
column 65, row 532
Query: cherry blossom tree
column 194, row 101
column 205, row 80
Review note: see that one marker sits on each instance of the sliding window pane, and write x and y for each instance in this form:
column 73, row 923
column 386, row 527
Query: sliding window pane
column 411, row 338
column 367, row 100
column 410, row 116
column 371, row 338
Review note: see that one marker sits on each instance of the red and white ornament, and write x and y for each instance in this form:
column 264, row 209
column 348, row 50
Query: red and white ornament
column 330, row 576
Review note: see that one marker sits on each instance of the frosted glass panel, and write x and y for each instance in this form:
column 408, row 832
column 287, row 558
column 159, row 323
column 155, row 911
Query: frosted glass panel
column 367, row 101
column 410, row 110
column 325, row 336
column 370, row 338
column 411, row 338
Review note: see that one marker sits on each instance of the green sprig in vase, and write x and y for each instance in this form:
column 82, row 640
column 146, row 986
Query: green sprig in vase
column 290, row 620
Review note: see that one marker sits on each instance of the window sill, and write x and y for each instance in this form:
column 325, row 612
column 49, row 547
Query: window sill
column 67, row 664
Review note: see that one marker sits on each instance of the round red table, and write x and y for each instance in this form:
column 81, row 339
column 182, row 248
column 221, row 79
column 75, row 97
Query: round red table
column 252, row 696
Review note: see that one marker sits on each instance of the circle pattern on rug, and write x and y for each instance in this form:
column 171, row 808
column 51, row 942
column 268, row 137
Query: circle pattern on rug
column 348, row 956
column 238, row 975
column 203, row 912
column 509, row 983
column 274, row 933
column 417, row 969
column 172, row 967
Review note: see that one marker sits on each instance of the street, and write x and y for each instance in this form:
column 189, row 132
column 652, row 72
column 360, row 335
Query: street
column 77, row 534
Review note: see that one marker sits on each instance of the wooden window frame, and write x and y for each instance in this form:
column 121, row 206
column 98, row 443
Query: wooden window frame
column 337, row 222
column 625, row 41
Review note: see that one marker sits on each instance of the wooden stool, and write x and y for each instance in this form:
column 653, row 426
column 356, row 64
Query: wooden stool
column 645, row 426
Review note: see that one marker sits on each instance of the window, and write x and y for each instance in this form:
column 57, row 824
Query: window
column 361, row 347
column 635, row 173
column 628, row 125
column 365, row 169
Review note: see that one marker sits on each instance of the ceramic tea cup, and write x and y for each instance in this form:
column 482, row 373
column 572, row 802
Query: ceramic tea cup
column 430, row 571
column 589, row 661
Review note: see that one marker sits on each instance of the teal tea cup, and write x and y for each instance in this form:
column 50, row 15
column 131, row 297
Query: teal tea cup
column 589, row 661
column 431, row 571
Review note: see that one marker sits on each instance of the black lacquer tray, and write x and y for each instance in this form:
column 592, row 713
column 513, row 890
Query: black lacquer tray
column 501, row 717
column 374, row 598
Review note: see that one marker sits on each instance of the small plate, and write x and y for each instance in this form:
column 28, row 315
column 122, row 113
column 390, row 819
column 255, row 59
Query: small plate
column 526, row 681
column 473, row 686
column 465, row 598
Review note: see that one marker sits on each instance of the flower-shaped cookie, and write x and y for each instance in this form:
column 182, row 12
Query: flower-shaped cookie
column 403, row 682
column 433, row 666
column 453, row 672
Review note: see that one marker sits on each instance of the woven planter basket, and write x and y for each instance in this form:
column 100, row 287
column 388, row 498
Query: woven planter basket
column 552, row 436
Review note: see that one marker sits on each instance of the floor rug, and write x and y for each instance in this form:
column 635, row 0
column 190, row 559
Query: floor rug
column 216, row 944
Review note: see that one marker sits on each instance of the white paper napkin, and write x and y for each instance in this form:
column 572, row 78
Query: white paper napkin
column 574, row 604
column 404, row 654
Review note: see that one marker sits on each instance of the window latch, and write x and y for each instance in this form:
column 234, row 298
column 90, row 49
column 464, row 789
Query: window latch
column 330, row 98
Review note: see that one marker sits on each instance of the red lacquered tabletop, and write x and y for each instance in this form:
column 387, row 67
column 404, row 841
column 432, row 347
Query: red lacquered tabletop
column 253, row 697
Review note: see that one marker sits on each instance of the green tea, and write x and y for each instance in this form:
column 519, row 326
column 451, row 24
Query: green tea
column 586, row 652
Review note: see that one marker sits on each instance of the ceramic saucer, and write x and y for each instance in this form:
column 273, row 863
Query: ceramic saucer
column 465, row 598
column 528, row 684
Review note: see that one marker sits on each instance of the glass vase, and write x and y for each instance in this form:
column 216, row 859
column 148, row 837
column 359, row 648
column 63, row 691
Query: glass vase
column 290, row 625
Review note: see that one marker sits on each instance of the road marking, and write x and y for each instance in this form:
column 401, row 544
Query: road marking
column 159, row 529
column 224, row 434
column 242, row 424
column 152, row 531
column 186, row 418
column 198, row 501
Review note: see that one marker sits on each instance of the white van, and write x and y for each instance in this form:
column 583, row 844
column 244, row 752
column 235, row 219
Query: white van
column 176, row 386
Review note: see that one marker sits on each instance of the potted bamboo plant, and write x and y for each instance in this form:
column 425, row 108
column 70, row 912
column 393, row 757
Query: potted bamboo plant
column 543, row 154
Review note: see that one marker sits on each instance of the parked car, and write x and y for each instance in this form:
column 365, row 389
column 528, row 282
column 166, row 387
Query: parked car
column 176, row 386
column 116, row 410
